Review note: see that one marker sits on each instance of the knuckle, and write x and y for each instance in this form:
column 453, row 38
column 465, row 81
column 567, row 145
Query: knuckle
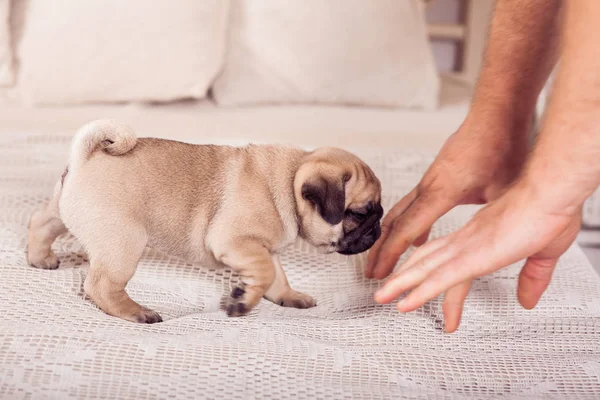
column 453, row 300
column 538, row 272
column 396, row 224
column 386, row 226
column 421, row 265
column 452, row 249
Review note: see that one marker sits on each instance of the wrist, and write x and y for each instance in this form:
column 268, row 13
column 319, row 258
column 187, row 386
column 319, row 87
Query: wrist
column 563, row 165
column 497, row 102
column 499, row 135
column 500, row 122
column 551, row 191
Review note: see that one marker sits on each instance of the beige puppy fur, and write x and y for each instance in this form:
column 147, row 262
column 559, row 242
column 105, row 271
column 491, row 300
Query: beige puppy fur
column 216, row 205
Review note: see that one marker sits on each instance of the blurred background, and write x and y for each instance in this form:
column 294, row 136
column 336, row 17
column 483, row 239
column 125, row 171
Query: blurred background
column 307, row 72
column 378, row 74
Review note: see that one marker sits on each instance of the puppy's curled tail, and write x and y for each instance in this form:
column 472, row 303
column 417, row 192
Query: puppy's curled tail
column 108, row 135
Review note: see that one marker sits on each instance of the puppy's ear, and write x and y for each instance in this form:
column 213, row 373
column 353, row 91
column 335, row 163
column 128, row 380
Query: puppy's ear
column 329, row 198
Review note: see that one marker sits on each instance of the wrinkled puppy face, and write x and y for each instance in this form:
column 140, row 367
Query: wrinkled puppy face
column 339, row 202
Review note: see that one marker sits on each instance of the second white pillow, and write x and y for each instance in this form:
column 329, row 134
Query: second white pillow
column 355, row 52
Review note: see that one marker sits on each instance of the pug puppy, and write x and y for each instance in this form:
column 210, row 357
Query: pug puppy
column 216, row 205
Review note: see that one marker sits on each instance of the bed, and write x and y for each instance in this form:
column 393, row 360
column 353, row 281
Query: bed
column 54, row 343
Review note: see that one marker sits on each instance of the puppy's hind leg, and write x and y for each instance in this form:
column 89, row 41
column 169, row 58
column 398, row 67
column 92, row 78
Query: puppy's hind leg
column 44, row 227
column 113, row 261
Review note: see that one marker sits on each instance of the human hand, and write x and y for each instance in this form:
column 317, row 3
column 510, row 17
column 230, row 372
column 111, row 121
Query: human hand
column 514, row 227
column 475, row 166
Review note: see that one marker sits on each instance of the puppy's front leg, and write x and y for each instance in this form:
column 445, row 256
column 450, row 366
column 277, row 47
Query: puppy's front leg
column 252, row 261
column 281, row 293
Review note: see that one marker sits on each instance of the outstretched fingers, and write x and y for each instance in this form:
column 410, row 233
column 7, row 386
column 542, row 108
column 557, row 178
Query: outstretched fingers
column 441, row 278
column 534, row 279
column 454, row 301
column 386, row 226
column 415, row 270
column 437, row 267
column 406, row 228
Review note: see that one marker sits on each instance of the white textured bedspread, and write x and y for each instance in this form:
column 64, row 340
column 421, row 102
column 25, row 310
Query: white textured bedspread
column 56, row 344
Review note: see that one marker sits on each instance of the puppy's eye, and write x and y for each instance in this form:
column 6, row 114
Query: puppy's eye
column 358, row 215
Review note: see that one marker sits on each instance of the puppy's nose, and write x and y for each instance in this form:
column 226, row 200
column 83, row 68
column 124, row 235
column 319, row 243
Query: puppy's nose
column 374, row 232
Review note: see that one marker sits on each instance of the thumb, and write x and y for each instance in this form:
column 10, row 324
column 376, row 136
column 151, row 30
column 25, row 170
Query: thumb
column 534, row 279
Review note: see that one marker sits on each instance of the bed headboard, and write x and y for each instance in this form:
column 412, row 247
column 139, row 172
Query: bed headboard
column 469, row 33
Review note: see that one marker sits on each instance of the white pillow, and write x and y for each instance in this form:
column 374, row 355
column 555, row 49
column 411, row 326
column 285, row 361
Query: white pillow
column 120, row 50
column 6, row 59
column 355, row 52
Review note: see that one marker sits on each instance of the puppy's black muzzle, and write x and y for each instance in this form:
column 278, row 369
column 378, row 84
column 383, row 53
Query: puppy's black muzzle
column 364, row 236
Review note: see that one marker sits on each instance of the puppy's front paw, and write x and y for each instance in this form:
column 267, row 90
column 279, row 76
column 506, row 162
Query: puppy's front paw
column 292, row 298
column 45, row 261
column 236, row 305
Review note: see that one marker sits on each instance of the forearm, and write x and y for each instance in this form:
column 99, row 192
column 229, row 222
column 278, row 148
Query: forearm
column 565, row 164
column 521, row 52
